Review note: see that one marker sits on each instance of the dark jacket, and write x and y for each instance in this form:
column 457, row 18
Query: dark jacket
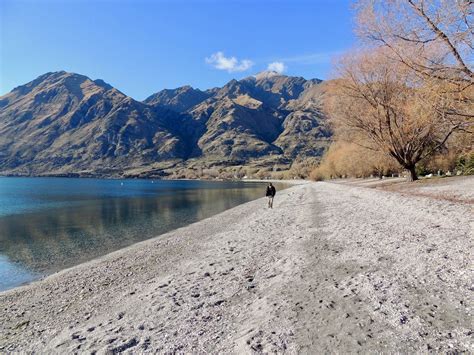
column 271, row 191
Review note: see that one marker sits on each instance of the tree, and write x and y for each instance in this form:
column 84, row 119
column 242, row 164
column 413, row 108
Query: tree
column 434, row 38
column 350, row 160
column 382, row 104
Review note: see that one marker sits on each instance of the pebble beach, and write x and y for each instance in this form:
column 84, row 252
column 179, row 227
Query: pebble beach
column 332, row 268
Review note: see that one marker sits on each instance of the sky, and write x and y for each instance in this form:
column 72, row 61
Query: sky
column 143, row 46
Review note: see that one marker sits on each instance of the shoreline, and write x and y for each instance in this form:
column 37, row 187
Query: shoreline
column 330, row 267
column 125, row 249
column 41, row 275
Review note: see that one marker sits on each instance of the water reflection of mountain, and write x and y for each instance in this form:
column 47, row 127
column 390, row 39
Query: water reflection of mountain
column 53, row 239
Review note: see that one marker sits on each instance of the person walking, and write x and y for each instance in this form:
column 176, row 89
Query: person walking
column 271, row 191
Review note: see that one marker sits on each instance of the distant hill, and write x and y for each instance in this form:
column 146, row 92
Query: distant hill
column 67, row 124
column 179, row 99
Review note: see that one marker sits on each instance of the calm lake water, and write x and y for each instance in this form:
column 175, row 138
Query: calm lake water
column 48, row 224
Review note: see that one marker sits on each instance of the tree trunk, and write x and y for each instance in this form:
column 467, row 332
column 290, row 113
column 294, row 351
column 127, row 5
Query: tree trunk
column 412, row 176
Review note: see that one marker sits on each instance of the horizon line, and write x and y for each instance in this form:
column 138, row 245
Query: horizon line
column 113, row 86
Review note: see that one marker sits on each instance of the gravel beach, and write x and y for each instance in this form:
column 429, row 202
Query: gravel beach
column 331, row 268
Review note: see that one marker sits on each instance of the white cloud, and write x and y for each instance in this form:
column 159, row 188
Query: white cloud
column 279, row 67
column 219, row 61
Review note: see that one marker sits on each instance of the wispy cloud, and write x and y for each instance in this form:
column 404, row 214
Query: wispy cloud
column 219, row 61
column 312, row 58
column 279, row 67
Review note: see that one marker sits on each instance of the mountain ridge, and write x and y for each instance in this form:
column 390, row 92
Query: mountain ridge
column 68, row 124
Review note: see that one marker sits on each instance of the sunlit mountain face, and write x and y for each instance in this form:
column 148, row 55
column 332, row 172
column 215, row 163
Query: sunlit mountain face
column 68, row 124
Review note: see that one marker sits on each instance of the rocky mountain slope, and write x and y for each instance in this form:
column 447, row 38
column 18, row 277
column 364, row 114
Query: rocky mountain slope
column 64, row 123
column 179, row 99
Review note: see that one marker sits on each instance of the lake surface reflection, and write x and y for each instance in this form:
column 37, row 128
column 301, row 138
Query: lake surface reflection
column 48, row 224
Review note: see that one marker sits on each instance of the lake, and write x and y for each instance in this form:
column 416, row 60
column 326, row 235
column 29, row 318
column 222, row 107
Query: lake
column 48, row 224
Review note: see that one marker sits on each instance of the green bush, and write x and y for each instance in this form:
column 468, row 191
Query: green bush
column 465, row 163
column 422, row 169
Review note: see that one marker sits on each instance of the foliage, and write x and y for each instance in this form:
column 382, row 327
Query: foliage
column 412, row 89
column 465, row 163
column 350, row 160
column 433, row 38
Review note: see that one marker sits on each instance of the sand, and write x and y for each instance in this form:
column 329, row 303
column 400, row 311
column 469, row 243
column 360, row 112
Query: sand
column 332, row 268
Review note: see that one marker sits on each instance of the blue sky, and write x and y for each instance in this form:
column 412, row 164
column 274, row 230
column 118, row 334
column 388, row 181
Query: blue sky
column 142, row 46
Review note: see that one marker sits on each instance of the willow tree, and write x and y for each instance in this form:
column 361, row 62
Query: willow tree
column 381, row 104
column 432, row 37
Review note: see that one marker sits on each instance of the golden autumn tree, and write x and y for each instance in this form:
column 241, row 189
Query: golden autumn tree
column 344, row 159
column 435, row 39
column 412, row 88
column 432, row 37
column 384, row 105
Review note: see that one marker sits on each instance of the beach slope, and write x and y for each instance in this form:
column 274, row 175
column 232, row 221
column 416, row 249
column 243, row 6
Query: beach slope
column 332, row 268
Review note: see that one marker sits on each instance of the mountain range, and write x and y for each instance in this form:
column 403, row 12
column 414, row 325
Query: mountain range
column 68, row 124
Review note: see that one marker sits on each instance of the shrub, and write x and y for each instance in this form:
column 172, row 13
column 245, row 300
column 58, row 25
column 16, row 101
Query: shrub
column 465, row 164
